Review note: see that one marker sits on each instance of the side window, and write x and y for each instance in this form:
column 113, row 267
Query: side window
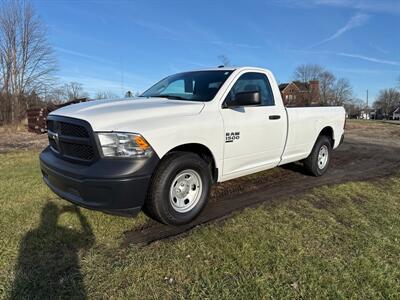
column 254, row 82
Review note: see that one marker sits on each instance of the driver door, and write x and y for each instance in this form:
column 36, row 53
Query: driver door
column 254, row 135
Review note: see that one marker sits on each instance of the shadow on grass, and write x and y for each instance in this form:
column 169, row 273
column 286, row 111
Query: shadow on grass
column 48, row 262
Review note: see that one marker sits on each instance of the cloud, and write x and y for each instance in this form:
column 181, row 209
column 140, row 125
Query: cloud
column 160, row 29
column 377, row 6
column 371, row 59
column 378, row 48
column 351, row 55
column 359, row 71
column 207, row 36
column 83, row 55
column 228, row 44
column 92, row 84
column 203, row 36
column 357, row 20
column 196, row 63
column 372, row 6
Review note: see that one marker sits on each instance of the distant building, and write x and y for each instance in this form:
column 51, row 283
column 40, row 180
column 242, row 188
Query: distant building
column 298, row 93
column 365, row 115
column 396, row 113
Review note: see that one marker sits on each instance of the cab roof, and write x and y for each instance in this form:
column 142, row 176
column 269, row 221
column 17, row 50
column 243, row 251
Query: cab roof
column 227, row 69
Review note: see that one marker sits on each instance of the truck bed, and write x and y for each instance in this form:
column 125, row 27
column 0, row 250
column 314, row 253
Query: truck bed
column 305, row 124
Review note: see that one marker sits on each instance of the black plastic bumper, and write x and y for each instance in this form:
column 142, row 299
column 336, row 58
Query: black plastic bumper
column 341, row 140
column 116, row 186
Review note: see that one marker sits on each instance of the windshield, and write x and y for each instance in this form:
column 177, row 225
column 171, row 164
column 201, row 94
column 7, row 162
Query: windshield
column 191, row 86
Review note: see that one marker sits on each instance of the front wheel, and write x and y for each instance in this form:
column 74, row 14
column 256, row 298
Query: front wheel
column 179, row 190
column 317, row 162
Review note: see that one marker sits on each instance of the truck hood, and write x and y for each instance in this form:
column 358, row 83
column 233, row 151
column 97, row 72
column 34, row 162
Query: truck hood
column 108, row 115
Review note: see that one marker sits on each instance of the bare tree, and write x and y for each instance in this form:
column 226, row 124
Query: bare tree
column 226, row 62
column 26, row 59
column 387, row 101
column 308, row 72
column 56, row 95
column 342, row 92
column 105, row 95
column 326, row 82
column 74, row 90
column 333, row 91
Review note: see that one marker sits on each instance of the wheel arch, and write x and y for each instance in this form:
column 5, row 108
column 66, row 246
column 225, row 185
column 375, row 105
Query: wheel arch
column 328, row 132
column 203, row 151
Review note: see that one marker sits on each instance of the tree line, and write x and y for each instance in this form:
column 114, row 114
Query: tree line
column 72, row 91
column 28, row 67
column 26, row 59
column 333, row 90
column 339, row 91
column 28, row 64
column 387, row 101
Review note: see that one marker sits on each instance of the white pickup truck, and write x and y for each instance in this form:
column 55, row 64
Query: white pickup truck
column 162, row 151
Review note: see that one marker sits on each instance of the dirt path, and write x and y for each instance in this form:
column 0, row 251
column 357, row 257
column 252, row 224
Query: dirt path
column 357, row 159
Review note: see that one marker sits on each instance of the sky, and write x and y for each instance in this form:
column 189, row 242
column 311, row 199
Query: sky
column 129, row 45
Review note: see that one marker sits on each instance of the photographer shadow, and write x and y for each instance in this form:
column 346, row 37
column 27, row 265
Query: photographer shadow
column 48, row 261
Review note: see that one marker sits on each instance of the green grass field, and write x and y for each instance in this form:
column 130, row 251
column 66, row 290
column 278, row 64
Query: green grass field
column 335, row 242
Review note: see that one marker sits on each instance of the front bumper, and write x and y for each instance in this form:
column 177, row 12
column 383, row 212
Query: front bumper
column 116, row 186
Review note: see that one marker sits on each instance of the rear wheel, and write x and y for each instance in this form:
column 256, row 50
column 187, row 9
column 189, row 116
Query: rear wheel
column 317, row 162
column 179, row 190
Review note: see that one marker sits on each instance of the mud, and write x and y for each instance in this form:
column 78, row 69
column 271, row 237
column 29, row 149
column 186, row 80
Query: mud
column 357, row 159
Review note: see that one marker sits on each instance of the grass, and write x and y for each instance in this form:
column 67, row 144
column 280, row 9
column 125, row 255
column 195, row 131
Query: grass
column 375, row 128
column 335, row 242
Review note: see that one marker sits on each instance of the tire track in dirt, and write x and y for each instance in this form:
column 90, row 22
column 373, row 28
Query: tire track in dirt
column 353, row 161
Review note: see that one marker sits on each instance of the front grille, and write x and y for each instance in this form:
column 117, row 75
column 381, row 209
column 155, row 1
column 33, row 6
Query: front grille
column 81, row 151
column 67, row 129
column 71, row 139
column 73, row 130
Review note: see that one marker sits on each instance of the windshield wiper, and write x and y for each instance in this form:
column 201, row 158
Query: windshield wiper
column 171, row 97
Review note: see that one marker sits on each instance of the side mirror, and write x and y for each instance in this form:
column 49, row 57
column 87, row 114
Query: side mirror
column 245, row 99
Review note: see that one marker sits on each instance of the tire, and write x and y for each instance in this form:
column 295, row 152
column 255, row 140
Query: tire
column 179, row 189
column 317, row 163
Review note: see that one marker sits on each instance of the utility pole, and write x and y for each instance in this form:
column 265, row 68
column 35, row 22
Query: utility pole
column 367, row 115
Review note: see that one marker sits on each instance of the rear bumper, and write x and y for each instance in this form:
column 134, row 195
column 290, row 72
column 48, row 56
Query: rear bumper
column 112, row 186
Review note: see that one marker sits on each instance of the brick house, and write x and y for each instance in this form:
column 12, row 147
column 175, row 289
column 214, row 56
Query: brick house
column 299, row 93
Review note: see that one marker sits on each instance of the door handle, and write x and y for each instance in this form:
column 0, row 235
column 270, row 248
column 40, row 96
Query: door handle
column 274, row 117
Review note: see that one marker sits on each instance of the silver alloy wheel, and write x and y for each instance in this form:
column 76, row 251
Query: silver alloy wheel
column 323, row 157
column 185, row 191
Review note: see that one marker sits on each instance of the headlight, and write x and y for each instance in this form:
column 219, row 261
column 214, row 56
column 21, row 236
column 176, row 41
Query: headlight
column 120, row 144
